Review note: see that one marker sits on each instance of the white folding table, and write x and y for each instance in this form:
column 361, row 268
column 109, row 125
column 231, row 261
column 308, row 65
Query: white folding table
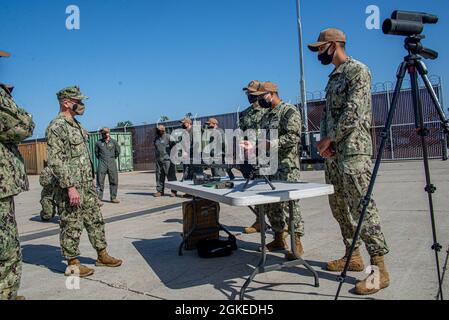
column 257, row 192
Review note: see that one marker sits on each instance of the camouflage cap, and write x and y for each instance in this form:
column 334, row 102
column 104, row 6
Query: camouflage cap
column 265, row 87
column 105, row 130
column 252, row 86
column 71, row 93
column 212, row 121
column 4, row 54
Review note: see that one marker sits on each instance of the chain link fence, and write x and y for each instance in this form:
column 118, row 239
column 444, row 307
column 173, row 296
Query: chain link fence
column 403, row 142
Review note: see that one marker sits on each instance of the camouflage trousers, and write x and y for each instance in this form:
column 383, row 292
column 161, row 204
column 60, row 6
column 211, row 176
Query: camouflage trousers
column 279, row 213
column 10, row 253
column 350, row 177
column 48, row 203
column 73, row 219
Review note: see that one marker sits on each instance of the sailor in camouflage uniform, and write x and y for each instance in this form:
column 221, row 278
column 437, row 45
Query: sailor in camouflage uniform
column 15, row 125
column 286, row 119
column 70, row 161
column 347, row 146
column 250, row 118
column 48, row 182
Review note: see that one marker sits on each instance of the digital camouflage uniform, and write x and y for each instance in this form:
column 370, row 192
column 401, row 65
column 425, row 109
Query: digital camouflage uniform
column 287, row 120
column 347, row 122
column 250, row 118
column 107, row 153
column 164, row 167
column 69, row 159
column 15, row 125
column 48, row 182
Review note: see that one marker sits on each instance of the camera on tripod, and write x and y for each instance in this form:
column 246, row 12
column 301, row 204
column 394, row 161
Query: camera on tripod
column 411, row 25
column 407, row 23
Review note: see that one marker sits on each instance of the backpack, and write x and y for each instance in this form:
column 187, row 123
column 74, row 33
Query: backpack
column 216, row 248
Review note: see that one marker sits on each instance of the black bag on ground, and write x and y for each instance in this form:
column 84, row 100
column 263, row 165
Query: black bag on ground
column 215, row 248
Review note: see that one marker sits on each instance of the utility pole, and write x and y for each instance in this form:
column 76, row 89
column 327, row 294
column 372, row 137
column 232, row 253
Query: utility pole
column 302, row 81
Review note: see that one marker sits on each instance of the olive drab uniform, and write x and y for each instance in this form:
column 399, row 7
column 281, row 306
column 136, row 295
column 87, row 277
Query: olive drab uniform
column 48, row 182
column 347, row 122
column 107, row 153
column 69, row 159
column 287, row 120
column 164, row 167
column 191, row 169
column 15, row 125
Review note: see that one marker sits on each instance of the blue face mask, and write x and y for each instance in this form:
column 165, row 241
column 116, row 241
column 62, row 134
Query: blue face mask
column 325, row 57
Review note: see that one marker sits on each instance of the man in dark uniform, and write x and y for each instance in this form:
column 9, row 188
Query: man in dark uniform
column 213, row 124
column 164, row 167
column 107, row 150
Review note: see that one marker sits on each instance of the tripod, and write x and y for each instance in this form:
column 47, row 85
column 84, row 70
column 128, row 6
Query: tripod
column 413, row 65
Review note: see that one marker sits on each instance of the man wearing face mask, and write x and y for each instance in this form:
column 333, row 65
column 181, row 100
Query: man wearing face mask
column 164, row 167
column 15, row 125
column 107, row 150
column 286, row 119
column 69, row 159
column 347, row 146
column 250, row 118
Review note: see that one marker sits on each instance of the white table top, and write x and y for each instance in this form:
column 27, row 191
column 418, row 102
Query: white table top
column 258, row 192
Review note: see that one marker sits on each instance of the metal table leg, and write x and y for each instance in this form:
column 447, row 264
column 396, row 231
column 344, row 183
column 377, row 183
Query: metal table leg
column 299, row 260
column 261, row 268
column 261, row 265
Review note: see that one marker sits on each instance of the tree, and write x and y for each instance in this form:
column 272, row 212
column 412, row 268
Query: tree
column 189, row 115
column 164, row 119
column 123, row 124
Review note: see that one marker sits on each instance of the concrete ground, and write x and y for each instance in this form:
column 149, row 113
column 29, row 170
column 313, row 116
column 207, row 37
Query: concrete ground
column 145, row 233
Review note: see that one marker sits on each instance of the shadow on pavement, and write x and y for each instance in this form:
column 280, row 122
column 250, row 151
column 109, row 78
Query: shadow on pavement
column 54, row 220
column 226, row 274
column 49, row 257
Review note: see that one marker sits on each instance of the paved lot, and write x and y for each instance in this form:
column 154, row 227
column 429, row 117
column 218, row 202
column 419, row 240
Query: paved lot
column 145, row 232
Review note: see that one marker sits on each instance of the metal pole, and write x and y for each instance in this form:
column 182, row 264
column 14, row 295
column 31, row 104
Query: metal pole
column 301, row 65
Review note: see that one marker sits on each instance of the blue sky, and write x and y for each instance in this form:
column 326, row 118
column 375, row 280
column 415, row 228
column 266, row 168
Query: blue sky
column 140, row 59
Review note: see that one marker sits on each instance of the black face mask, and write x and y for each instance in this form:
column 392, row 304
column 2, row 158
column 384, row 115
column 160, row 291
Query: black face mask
column 264, row 103
column 325, row 57
column 252, row 99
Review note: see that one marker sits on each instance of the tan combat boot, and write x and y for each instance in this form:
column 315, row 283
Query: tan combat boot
column 369, row 285
column 115, row 200
column 158, row 195
column 355, row 264
column 299, row 249
column 254, row 228
column 173, row 194
column 20, row 298
column 279, row 242
column 105, row 260
column 75, row 268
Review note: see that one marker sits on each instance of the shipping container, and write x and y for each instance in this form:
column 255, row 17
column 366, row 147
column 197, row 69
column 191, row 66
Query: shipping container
column 124, row 139
column 34, row 154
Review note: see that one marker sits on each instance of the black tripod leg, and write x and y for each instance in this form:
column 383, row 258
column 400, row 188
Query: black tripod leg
column 422, row 70
column 269, row 182
column 444, row 272
column 423, row 132
column 366, row 200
